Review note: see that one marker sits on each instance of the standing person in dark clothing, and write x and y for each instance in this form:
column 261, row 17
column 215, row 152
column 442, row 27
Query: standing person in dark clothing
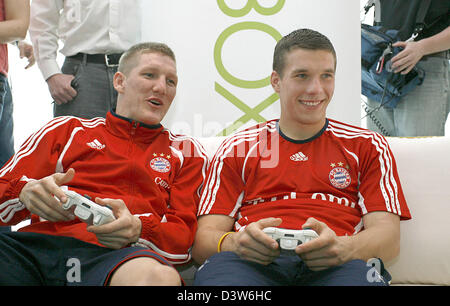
column 423, row 111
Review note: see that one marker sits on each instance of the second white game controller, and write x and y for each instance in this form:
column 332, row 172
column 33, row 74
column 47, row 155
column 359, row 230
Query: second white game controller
column 86, row 210
column 289, row 239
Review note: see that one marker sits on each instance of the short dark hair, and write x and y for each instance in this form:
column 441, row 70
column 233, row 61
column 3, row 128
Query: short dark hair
column 300, row 39
column 128, row 60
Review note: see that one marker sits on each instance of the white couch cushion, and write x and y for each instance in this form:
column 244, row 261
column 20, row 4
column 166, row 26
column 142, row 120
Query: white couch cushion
column 424, row 170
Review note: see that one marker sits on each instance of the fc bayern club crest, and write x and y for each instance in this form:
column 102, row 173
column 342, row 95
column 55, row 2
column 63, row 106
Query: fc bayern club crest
column 160, row 164
column 340, row 177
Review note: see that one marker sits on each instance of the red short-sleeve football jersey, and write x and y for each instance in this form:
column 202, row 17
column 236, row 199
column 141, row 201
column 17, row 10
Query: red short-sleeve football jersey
column 337, row 176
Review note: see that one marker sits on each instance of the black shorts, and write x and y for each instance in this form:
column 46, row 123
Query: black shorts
column 228, row 269
column 38, row 259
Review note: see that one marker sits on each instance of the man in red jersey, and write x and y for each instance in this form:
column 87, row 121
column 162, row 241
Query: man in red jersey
column 301, row 171
column 149, row 177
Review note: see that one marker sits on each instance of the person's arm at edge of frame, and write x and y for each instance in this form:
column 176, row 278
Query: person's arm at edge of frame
column 17, row 20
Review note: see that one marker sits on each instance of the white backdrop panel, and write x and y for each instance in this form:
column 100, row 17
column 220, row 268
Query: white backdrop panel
column 194, row 28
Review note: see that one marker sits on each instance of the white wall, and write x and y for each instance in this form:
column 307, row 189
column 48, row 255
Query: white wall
column 32, row 101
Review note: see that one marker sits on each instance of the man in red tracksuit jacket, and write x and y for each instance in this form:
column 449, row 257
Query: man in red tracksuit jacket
column 150, row 178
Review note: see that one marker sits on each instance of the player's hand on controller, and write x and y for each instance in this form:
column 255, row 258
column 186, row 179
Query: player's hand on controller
column 254, row 245
column 326, row 251
column 38, row 196
column 126, row 229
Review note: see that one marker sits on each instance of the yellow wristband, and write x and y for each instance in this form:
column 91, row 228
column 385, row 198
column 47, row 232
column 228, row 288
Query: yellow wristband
column 221, row 240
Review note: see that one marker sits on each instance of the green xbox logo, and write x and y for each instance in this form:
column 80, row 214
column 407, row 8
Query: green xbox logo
column 249, row 113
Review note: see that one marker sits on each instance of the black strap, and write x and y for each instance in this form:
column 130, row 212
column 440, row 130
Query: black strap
column 420, row 17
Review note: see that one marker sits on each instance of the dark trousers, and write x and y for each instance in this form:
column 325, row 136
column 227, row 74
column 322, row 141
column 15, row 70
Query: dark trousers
column 228, row 269
column 95, row 91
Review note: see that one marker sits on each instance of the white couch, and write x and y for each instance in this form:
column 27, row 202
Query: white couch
column 424, row 170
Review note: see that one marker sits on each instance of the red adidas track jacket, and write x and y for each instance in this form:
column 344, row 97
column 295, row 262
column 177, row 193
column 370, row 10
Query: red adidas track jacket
column 156, row 173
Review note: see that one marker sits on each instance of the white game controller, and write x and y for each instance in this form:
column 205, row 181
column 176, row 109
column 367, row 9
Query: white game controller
column 88, row 211
column 289, row 239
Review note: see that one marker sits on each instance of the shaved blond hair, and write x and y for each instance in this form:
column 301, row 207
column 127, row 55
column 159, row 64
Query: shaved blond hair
column 130, row 58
